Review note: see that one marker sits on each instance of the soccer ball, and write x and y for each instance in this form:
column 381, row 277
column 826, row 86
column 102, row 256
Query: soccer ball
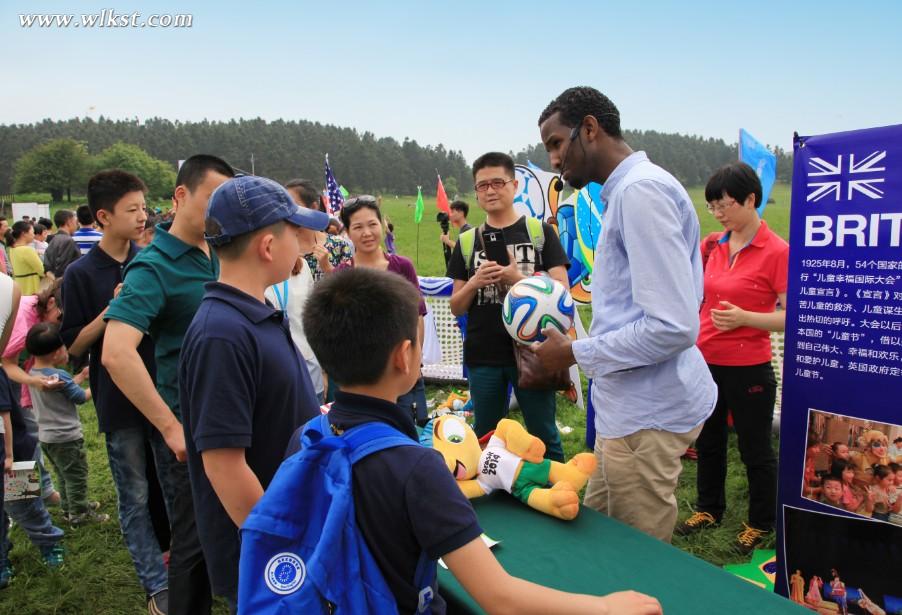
column 533, row 304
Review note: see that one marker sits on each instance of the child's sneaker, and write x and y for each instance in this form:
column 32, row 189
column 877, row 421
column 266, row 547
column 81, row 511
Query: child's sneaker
column 6, row 575
column 53, row 556
column 88, row 518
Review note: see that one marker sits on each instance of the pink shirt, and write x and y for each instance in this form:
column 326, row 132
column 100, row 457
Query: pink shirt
column 26, row 318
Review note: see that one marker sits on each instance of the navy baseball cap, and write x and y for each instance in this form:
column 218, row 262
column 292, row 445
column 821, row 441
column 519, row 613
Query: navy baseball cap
column 246, row 203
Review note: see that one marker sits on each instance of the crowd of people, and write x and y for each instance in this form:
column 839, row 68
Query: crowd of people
column 211, row 336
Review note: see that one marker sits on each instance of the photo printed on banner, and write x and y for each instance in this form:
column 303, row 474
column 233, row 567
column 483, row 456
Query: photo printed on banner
column 853, row 464
column 842, row 565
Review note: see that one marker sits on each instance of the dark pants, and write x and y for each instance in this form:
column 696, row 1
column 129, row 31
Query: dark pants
column 156, row 502
column 414, row 402
column 489, row 390
column 71, row 465
column 749, row 393
column 189, row 584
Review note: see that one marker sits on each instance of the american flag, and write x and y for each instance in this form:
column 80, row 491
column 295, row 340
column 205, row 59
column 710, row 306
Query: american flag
column 332, row 190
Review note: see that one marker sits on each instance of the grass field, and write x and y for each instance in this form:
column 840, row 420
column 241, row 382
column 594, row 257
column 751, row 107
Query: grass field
column 98, row 576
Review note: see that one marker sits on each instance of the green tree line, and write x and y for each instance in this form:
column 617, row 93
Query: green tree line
column 281, row 149
column 284, row 149
column 691, row 159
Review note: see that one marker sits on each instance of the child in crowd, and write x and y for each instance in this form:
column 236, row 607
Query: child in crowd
column 243, row 384
column 896, row 468
column 30, row 514
column 853, row 496
column 150, row 227
column 40, row 240
column 389, row 237
column 59, row 426
column 838, row 450
column 831, row 491
column 895, row 450
column 405, row 498
column 811, row 485
column 886, row 497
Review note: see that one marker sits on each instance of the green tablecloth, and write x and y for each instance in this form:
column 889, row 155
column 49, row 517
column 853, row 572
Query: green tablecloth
column 595, row 554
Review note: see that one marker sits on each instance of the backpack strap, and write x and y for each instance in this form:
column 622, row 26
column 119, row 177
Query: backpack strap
column 536, row 233
column 536, row 238
column 533, row 227
column 467, row 240
column 369, row 438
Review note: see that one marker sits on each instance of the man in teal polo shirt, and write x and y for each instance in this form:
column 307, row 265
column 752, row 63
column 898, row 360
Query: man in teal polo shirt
column 162, row 290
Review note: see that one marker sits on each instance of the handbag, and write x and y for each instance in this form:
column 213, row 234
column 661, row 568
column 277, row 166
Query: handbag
column 533, row 377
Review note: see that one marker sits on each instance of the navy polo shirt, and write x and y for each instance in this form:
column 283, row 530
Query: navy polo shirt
column 23, row 443
column 242, row 384
column 405, row 499
column 87, row 291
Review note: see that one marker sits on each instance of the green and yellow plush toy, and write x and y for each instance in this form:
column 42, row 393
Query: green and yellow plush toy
column 512, row 461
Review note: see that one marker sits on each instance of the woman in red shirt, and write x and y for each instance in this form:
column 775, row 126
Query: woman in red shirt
column 745, row 276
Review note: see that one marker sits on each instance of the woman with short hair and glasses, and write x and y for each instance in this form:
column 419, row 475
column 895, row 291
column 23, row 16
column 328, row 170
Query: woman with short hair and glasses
column 363, row 222
column 745, row 276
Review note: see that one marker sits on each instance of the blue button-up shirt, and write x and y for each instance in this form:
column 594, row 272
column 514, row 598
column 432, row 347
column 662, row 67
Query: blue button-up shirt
column 646, row 292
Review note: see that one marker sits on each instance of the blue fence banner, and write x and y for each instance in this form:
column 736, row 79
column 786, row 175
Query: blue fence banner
column 756, row 155
column 839, row 524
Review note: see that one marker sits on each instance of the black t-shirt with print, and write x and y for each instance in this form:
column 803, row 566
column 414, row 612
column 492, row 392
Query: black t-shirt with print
column 487, row 342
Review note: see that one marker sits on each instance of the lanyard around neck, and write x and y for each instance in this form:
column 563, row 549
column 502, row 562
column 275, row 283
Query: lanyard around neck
column 282, row 297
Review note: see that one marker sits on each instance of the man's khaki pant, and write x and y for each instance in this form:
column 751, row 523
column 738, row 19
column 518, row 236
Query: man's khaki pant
column 636, row 478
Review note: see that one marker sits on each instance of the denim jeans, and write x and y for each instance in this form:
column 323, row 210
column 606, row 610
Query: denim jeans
column 127, row 454
column 489, row 391
column 32, row 517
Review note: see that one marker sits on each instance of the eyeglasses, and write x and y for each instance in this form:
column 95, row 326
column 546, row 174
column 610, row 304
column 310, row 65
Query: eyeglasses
column 712, row 209
column 494, row 184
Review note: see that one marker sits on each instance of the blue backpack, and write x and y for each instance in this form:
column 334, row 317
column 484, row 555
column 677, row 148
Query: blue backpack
column 301, row 549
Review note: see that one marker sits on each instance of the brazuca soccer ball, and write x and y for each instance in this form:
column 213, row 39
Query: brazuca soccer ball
column 535, row 303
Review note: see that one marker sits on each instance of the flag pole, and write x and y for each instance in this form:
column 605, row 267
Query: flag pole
column 418, row 246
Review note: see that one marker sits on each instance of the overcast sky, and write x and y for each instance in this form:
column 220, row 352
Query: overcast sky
column 471, row 75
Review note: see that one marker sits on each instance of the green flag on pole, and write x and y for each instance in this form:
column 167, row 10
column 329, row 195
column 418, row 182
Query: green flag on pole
column 343, row 191
column 418, row 212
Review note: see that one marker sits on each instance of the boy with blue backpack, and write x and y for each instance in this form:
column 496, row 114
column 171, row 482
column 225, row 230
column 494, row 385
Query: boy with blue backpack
column 355, row 521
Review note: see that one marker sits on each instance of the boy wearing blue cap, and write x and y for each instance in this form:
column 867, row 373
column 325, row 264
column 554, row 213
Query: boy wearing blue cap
column 243, row 385
column 161, row 290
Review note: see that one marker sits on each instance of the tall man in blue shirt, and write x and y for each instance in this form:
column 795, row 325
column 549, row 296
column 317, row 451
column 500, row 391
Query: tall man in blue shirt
column 652, row 389
column 243, row 384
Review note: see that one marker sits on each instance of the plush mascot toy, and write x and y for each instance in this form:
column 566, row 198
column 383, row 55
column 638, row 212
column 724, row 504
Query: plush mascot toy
column 512, row 461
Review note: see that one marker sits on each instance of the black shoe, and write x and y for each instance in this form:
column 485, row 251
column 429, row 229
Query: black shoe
column 749, row 538
column 158, row 604
column 698, row 521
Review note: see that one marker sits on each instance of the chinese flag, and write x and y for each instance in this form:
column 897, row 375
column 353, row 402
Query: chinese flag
column 441, row 199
